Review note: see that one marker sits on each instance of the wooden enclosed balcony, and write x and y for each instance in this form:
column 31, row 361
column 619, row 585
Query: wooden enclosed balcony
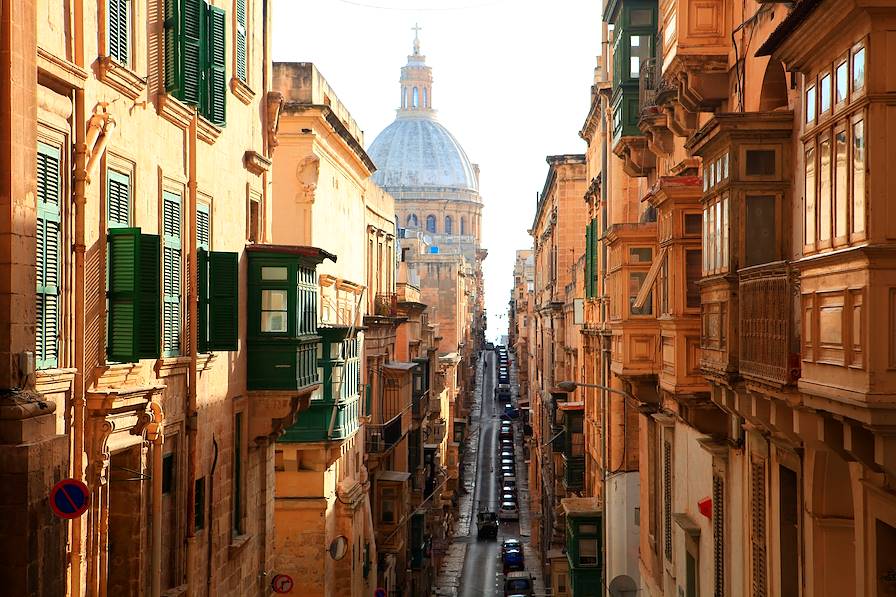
column 766, row 324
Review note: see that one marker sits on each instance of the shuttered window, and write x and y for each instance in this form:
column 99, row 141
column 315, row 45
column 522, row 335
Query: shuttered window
column 203, row 226
column 133, row 295
column 241, row 41
column 171, row 273
column 718, row 534
column 195, row 73
column 118, row 199
column 667, row 500
column 757, row 527
column 218, row 291
column 589, row 287
column 119, row 30
column 49, row 200
column 592, row 275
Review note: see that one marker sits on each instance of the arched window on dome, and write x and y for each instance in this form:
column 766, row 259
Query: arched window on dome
column 448, row 225
column 412, row 221
column 430, row 224
column 425, row 98
column 416, row 100
column 463, row 226
column 404, row 97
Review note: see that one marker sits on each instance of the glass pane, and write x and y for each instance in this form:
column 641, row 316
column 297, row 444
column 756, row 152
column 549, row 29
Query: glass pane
column 273, row 300
column 760, row 243
column 824, row 191
column 810, row 196
column 760, row 162
column 712, row 238
column 706, row 266
column 725, row 234
column 635, row 281
column 810, row 104
column 840, row 186
column 692, row 223
column 858, row 176
column 858, row 69
column 825, row 97
column 273, row 321
column 274, row 273
column 641, row 17
column 841, row 82
column 718, row 235
column 725, row 166
column 640, row 254
column 692, row 276
column 587, row 552
column 712, row 174
column 705, row 178
column 639, row 50
column 587, row 529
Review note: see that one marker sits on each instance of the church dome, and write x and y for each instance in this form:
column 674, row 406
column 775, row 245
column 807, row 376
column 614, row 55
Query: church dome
column 416, row 151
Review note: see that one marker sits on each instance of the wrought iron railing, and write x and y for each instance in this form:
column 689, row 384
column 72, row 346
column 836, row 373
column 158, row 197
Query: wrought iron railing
column 648, row 84
column 381, row 438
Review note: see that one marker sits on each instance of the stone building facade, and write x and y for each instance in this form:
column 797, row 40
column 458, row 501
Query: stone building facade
column 137, row 194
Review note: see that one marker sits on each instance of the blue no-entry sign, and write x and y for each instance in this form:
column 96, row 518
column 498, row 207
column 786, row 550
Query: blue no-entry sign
column 69, row 498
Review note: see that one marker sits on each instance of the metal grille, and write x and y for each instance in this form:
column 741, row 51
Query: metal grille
column 718, row 534
column 757, row 528
column 667, row 499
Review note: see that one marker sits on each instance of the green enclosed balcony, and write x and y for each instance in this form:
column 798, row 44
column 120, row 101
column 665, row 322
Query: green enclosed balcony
column 283, row 339
column 336, row 414
column 573, row 445
column 584, row 545
column 634, row 43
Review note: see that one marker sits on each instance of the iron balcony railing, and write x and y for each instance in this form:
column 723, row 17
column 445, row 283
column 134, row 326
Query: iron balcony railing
column 648, row 84
column 382, row 438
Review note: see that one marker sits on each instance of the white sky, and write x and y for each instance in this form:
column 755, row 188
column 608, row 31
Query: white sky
column 511, row 81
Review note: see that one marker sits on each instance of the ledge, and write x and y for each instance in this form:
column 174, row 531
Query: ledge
column 60, row 69
column 242, row 91
column 237, row 544
column 687, row 524
column 207, row 131
column 175, row 112
column 50, row 381
column 168, row 366
column 204, row 361
column 256, row 163
column 120, row 77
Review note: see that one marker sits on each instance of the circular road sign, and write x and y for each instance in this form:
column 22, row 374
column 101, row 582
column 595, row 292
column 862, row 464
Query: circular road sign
column 282, row 583
column 380, row 592
column 69, row 498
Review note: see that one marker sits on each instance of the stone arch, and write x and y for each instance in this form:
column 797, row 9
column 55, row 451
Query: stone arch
column 412, row 221
column 623, row 586
column 431, row 223
column 832, row 516
column 463, row 226
column 774, row 87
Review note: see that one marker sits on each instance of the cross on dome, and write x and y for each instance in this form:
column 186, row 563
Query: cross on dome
column 416, row 29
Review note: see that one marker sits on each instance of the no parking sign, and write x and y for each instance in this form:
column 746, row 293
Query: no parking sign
column 69, row 498
column 282, row 583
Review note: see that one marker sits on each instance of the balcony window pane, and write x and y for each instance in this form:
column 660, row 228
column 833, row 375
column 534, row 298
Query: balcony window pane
column 712, row 174
column 711, row 241
column 587, row 552
column 810, row 195
column 840, row 185
column 858, row 176
column 841, row 82
column 824, row 190
column 705, row 178
column 641, row 17
column 273, row 311
column 639, row 51
column 640, row 254
column 692, row 275
column 725, row 166
column 718, row 236
column 724, row 253
column 760, row 243
column 692, row 223
column 810, row 104
column 587, row 529
column 825, row 97
column 858, row 69
column 274, row 273
column 635, row 281
column 705, row 244
column 760, row 162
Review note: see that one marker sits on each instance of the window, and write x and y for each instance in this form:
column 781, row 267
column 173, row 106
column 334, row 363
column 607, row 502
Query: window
column 199, row 504
column 841, row 187
column 118, row 198
column 789, row 525
column 448, row 225
column 858, row 68
column 693, row 223
column 841, row 82
column 640, row 254
column 274, row 310
column 760, row 162
column 412, row 221
column 49, row 202
column 195, row 38
column 663, row 283
column 639, row 52
column 203, row 226
column 810, row 195
column 825, row 94
column 588, row 552
column 238, row 524
column 635, row 281
column 561, row 583
column 824, row 190
column 760, row 246
column 253, row 235
column 119, row 30
column 810, row 104
column 425, row 98
column 388, row 503
column 133, row 293
column 171, row 273
column 218, row 304
column 241, row 41
column 463, row 226
column 858, row 176
column 715, row 243
column 416, row 98
column 431, row 224
column 692, row 259
column 168, row 473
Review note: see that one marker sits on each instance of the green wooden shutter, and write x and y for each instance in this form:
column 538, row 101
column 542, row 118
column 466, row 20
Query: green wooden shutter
column 215, row 71
column 118, row 197
column 119, row 30
column 202, row 285
column 203, row 226
column 184, row 33
column 589, row 291
column 49, row 189
column 241, row 41
column 171, row 273
column 133, row 295
column 223, row 300
column 594, row 257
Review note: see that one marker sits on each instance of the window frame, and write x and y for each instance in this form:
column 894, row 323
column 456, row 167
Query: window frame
column 129, row 6
column 168, row 242
column 854, row 234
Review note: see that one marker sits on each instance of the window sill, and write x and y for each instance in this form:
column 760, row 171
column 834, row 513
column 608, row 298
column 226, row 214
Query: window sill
column 175, row 112
column 60, row 69
column 207, row 131
column 168, row 366
column 204, row 361
column 50, row 381
column 242, row 91
column 237, row 544
column 256, row 163
column 120, row 78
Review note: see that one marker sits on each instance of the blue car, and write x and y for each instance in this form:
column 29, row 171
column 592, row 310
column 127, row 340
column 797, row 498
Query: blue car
column 513, row 561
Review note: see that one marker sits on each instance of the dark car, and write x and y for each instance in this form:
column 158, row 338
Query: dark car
column 513, row 561
column 506, row 432
column 511, row 412
column 487, row 525
column 518, row 583
column 507, row 454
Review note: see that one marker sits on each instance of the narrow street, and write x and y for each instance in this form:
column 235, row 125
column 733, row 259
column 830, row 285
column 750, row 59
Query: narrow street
column 481, row 573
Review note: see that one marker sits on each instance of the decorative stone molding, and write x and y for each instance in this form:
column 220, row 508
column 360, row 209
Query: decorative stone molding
column 61, row 70
column 256, row 163
column 172, row 366
column 306, row 175
column 51, row 381
column 242, row 91
column 172, row 110
column 120, row 77
column 274, row 105
column 207, row 131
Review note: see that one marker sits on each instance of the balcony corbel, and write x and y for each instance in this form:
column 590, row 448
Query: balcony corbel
column 637, row 159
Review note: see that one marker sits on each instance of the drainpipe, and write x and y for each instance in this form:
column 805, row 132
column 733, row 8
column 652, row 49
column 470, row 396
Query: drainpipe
column 79, row 384
column 192, row 410
column 156, row 436
column 606, row 181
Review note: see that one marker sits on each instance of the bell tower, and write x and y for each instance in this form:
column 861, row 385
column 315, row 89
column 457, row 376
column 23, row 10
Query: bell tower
column 416, row 83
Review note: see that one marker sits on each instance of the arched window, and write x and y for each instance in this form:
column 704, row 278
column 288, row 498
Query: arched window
column 448, row 225
column 412, row 221
column 404, row 97
column 416, row 99
column 463, row 226
column 430, row 223
column 425, row 98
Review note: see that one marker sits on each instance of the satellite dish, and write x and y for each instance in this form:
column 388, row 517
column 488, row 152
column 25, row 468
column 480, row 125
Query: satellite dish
column 338, row 547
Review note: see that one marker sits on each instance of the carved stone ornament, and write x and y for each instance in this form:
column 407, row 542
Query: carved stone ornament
column 306, row 176
column 274, row 101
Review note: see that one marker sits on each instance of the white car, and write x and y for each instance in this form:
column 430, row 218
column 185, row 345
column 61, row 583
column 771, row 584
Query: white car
column 508, row 511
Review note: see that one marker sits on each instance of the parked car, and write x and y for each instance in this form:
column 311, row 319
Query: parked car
column 513, row 561
column 518, row 583
column 506, row 432
column 508, row 471
column 506, row 453
column 508, row 511
column 487, row 525
column 507, row 462
column 511, row 545
column 509, row 482
column 503, row 392
column 511, row 412
column 508, row 496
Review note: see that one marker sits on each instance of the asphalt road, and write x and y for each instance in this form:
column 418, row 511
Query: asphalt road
column 482, row 571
